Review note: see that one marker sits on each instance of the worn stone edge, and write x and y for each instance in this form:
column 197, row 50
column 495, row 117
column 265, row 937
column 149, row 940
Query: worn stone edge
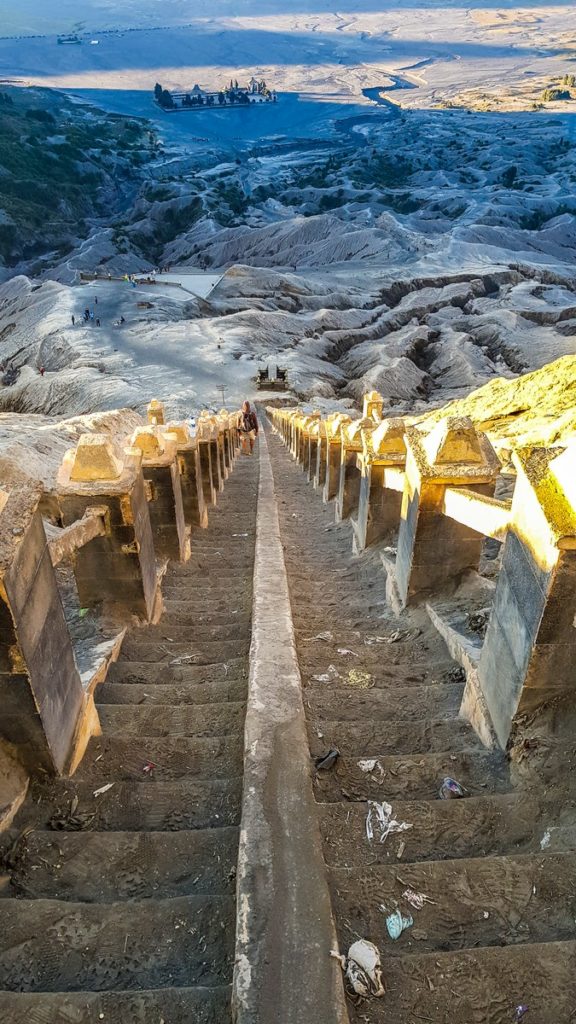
column 283, row 971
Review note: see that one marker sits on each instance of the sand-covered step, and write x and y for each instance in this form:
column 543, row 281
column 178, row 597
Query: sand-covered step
column 131, row 806
column 171, row 693
column 165, row 720
column 436, row 830
column 208, row 626
column 333, row 701
column 492, row 901
column 177, row 671
column 196, row 644
column 54, row 946
column 186, row 599
column 68, row 865
column 181, row 613
column 221, row 575
column 411, row 776
column 195, row 652
column 485, row 985
column 370, row 739
column 386, row 676
column 199, row 1005
column 110, row 758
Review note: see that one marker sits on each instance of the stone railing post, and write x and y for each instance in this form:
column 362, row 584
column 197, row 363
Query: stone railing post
column 155, row 413
column 206, row 434
column 313, row 442
column 45, row 712
column 378, row 506
column 529, row 652
column 120, row 567
column 372, row 406
column 195, row 511
column 295, row 432
column 333, row 424
column 227, row 423
column 350, row 473
column 319, row 468
column 433, row 550
column 162, row 475
column 304, row 446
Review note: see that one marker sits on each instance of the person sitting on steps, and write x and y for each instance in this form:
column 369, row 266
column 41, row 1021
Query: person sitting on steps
column 247, row 428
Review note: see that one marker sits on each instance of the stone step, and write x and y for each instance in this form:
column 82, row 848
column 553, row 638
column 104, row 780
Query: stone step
column 371, row 739
column 366, row 656
column 197, row 652
column 199, row 1005
column 53, row 946
column 441, row 829
column 120, row 757
column 171, row 693
column 492, row 901
column 188, row 638
column 341, row 703
column 435, row 671
column 412, row 776
column 484, row 985
column 206, row 626
column 68, row 865
column 148, row 673
column 180, row 599
column 164, row 720
column 136, row 806
column 192, row 572
column 181, row 611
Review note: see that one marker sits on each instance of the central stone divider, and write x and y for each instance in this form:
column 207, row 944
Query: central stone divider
column 285, row 929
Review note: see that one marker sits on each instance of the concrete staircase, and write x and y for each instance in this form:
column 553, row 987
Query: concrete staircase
column 496, row 932
column 121, row 904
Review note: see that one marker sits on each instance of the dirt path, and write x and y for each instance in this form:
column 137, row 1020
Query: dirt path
column 120, row 883
column 496, row 929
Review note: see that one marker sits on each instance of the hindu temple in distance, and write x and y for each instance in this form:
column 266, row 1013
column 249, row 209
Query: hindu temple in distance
column 230, row 95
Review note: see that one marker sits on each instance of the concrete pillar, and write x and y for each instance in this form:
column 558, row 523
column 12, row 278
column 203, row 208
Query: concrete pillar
column 118, row 569
column 529, row 652
column 207, row 434
column 155, row 413
column 45, row 712
column 350, row 472
column 195, row 511
column 379, row 507
column 333, row 424
column 321, row 458
column 226, row 426
column 162, row 475
column 312, row 457
column 306, row 423
column 372, row 406
column 434, row 550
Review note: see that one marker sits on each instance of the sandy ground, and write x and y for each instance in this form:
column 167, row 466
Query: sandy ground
column 432, row 51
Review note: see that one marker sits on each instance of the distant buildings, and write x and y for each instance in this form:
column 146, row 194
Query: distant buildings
column 230, row 95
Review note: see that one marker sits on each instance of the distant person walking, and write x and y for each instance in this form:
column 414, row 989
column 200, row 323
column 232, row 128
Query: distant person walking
column 91, row 314
column 73, row 319
column 97, row 321
column 247, row 428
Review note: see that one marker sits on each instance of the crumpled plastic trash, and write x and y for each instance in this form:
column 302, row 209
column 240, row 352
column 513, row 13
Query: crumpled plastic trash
column 359, row 679
column 379, row 817
column 451, row 790
column 326, row 635
column 326, row 761
column 362, row 969
column 327, row 677
column 397, row 922
column 416, row 899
